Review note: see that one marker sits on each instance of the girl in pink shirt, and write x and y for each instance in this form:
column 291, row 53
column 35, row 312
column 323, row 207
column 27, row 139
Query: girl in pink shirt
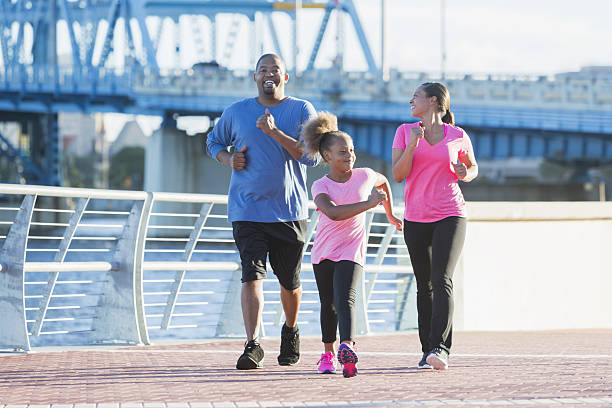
column 338, row 252
column 430, row 156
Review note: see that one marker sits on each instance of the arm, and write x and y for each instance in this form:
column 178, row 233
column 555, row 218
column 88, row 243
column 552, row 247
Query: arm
column 401, row 164
column 383, row 183
column 466, row 168
column 267, row 124
column 345, row 211
column 402, row 159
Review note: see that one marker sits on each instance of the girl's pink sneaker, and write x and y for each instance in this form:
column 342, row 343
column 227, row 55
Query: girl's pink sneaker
column 348, row 358
column 327, row 363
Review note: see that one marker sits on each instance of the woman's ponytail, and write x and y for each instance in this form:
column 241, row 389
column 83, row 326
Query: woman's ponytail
column 449, row 118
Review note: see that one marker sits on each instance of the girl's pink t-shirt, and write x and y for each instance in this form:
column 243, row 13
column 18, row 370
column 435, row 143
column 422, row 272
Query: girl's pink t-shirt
column 431, row 191
column 343, row 240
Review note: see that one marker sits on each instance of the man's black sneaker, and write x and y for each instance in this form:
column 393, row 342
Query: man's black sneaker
column 423, row 363
column 438, row 358
column 252, row 357
column 290, row 346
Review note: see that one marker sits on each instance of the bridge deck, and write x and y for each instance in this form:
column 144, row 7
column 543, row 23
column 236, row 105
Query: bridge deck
column 569, row 368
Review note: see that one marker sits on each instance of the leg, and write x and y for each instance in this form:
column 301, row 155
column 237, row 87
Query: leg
column 324, row 276
column 448, row 239
column 253, row 247
column 252, row 301
column 291, row 304
column 418, row 241
column 346, row 279
column 286, row 249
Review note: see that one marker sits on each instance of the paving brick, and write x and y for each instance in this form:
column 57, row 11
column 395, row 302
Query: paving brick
column 555, row 368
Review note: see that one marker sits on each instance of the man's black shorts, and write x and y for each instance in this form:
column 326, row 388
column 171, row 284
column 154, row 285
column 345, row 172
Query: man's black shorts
column 283, row 241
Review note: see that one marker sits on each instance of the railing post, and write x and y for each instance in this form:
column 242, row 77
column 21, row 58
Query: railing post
column 59, row 257
column 13, row 326
column 361, row 305
column 380, row 256
column 180, row 275
column 117, row 313
column 405, row 319
column 141, row 242
column 230, row 320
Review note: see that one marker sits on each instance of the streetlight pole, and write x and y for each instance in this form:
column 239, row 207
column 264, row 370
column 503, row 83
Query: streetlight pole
column 384, row 65
column 296, row 50
column 443, row 38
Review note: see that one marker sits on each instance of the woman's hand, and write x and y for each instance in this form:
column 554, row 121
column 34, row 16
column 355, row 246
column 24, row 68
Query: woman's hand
column 416, row 134
column 460, row 169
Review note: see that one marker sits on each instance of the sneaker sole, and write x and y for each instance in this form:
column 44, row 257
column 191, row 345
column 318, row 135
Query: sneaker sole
column 327, row 372
column 285, row 363
column 436, row 362
column 425, row 367
column 349, row 370
column 347, row 356
column 248, row 364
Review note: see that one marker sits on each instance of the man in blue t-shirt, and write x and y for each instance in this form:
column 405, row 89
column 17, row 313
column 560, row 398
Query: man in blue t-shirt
column 267, row 200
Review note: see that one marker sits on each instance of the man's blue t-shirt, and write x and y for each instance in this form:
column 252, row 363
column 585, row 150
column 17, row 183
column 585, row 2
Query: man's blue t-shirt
column 272, row 187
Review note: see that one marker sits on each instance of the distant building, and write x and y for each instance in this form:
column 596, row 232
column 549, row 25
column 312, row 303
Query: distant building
column 78, row 133
column 603, row 73
column 130, row 136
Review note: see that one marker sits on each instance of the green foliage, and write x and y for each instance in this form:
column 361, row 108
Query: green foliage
column 79, row 171
column 127, row 169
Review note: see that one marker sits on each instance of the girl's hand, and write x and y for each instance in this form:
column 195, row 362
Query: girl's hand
column 399, row 224
column 377, row 196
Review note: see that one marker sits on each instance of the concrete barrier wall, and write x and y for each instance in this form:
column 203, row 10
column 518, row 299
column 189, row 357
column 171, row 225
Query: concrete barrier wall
column 535, row 266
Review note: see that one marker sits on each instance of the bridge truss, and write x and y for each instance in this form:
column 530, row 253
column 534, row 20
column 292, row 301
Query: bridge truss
column 84, row 55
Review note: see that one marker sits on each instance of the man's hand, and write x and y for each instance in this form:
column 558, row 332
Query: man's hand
column 266, row 123
column 238, row 159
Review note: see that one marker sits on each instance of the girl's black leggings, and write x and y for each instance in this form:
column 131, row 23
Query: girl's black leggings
column 434, row 249
column 337, row 283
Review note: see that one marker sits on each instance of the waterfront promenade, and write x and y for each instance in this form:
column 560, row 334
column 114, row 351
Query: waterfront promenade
column 531, row 368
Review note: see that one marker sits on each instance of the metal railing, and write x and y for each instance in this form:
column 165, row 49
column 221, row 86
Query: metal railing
column 82, row 266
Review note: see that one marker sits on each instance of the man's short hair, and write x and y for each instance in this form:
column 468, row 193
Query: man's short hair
column 283, row 66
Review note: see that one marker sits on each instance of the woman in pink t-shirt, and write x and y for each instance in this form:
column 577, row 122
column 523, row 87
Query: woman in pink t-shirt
column 430, row 156
column 338, row 251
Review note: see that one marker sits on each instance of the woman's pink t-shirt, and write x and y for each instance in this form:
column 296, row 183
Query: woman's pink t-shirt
column 343, row 240
column 432, row 192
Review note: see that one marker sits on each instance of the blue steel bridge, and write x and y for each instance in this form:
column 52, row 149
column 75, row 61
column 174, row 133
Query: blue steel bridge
column 111, row 66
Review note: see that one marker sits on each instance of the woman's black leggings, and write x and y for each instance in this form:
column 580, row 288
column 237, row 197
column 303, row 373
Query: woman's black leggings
column 337, row 283
column 434, row 249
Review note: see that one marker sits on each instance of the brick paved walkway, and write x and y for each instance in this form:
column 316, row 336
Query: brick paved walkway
column 572, row 368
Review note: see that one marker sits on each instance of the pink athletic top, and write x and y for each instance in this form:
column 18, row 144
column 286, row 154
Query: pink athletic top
column 432, row 192
column 343, row 240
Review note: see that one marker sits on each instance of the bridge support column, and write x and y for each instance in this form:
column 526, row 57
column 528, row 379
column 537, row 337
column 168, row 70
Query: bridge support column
column 13, row 327
column 52, row 157
column 178, row 163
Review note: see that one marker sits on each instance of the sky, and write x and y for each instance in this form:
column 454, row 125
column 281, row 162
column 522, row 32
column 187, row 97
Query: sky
column 540, row 37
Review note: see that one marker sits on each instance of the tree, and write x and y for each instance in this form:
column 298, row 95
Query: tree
column 127, row 169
